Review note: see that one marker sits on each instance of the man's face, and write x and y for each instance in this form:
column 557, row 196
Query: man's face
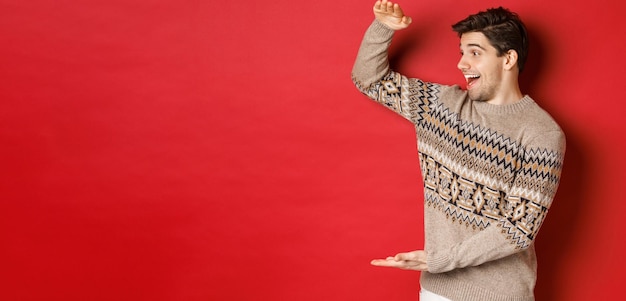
column 481, row 66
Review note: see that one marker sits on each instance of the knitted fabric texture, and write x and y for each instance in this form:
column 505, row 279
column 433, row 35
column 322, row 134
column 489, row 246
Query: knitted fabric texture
column 490, row 173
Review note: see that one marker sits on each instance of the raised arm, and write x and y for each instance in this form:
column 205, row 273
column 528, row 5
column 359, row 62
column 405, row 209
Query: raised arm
column 372, row 63
column 371, row 73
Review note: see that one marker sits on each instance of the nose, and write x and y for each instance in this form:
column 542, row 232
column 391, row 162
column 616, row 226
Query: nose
column 463, row 65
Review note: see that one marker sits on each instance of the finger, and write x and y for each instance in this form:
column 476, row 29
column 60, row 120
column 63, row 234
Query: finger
column 389, row 258
column 404, row 265
column 385, row 6
column 403, row 256
column 407, row 20
column 411, row 256
column 377, row 5
column 397, row 11
column 388, row 263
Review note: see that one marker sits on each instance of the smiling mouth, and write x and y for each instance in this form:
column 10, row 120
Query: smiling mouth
column 471, row 79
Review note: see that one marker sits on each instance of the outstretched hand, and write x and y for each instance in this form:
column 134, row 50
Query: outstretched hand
column 415, row 260
column 391, row 15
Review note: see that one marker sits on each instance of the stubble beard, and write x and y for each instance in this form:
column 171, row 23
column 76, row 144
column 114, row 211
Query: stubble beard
column 477, row 96
column 482, row 93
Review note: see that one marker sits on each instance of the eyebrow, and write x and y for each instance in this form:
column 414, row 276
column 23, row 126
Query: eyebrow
column 475, row 45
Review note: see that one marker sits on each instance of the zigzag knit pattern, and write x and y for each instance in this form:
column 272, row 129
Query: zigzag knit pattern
column 476, row 176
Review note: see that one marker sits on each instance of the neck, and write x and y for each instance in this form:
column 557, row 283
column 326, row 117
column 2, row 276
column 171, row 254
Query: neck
column 509, row 93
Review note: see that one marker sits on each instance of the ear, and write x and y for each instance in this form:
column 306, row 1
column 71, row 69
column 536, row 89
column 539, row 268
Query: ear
column 510, row 60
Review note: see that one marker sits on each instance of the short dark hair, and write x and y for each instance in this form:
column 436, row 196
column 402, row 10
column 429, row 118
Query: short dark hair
column 503, row 29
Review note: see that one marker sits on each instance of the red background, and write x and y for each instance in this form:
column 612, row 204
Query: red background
column 192, row 150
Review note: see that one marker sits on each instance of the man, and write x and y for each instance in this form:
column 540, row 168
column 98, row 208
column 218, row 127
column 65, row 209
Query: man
column 490, row 158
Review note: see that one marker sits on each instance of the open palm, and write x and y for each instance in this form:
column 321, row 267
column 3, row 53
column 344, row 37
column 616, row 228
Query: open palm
column 391, row 15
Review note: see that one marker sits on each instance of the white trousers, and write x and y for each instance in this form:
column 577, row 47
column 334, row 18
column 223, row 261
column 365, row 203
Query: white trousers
column 430, row 296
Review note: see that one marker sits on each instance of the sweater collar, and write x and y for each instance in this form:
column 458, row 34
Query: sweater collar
column 513, row 108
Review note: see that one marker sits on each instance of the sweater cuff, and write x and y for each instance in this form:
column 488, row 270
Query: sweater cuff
column 437, row 263
column 381, row 29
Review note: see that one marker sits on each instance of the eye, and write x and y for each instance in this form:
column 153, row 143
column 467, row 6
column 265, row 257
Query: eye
column 475, row 53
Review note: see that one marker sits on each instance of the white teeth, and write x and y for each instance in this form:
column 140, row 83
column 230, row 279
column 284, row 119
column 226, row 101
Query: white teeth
column 471, row 76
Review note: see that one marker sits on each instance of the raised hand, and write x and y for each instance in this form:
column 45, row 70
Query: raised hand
column 391, row 15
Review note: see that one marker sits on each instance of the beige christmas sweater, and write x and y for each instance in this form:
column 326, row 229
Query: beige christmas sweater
column 490, row 173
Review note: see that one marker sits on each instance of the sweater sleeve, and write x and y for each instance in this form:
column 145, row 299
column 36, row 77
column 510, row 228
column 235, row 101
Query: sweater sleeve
column 372, row 75
column 521, row 210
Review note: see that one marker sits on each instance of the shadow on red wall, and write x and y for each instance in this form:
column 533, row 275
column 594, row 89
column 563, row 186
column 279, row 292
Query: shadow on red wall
column 557, row 234
column 556, row 237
